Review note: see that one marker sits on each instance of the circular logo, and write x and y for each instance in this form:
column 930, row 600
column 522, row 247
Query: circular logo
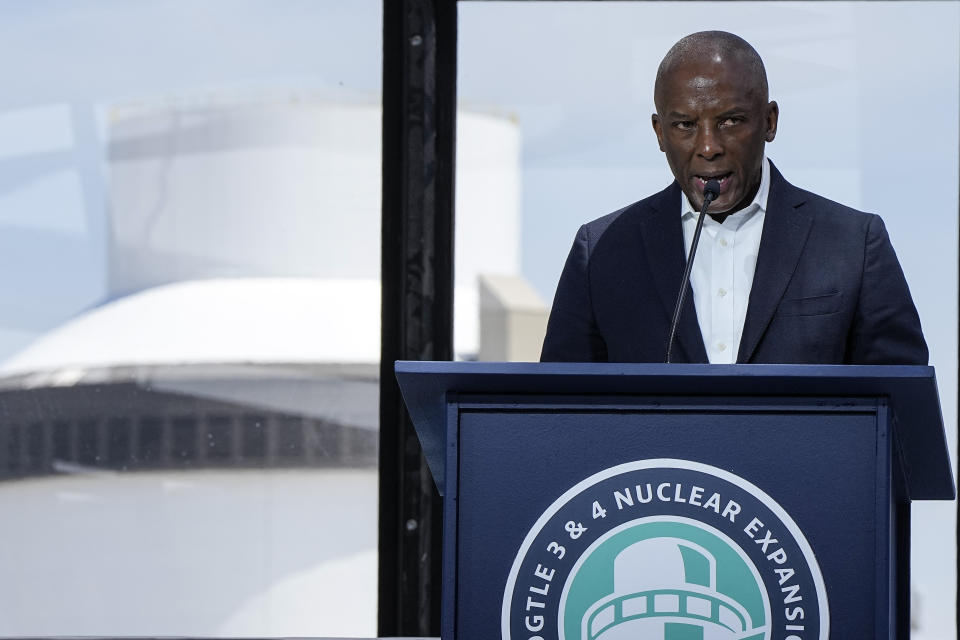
column 665, row 549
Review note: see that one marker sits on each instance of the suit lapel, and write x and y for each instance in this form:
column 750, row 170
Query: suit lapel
column 785, row 230
column 662, row 234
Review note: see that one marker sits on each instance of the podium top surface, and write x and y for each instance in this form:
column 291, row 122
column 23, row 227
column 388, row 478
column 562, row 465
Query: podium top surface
column 910, row 390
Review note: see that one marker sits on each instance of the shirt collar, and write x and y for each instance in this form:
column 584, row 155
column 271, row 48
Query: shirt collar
column 759, row 202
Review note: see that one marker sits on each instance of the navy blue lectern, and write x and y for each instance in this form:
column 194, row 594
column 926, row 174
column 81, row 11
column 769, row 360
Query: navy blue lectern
column 682, row 502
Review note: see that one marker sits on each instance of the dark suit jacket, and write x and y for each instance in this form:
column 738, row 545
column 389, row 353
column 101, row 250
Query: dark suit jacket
column 828, row 288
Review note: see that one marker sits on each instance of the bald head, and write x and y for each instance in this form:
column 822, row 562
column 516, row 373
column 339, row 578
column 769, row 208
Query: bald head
column 718, row 47
column 714, row 117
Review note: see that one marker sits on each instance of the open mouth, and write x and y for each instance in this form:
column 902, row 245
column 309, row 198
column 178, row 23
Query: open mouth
column 722, row 178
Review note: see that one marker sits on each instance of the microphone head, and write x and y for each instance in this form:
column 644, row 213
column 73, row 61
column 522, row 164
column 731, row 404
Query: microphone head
column 711, row 190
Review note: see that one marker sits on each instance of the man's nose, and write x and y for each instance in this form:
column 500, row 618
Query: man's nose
column 708, row 143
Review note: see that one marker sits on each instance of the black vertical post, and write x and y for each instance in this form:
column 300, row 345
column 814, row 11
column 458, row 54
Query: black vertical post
column 419, row 109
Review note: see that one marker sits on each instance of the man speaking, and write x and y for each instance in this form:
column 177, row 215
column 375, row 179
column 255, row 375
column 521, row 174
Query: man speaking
column 781, row 275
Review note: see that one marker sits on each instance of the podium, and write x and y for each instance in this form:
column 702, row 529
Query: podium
column 608, row 501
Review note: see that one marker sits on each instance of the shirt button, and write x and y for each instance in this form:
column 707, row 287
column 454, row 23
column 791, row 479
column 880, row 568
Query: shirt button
column 721, row 346
column 721, row 292
column 723, row 242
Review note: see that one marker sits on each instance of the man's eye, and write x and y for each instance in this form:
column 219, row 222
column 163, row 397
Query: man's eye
column 729, row 122
column 684, row 125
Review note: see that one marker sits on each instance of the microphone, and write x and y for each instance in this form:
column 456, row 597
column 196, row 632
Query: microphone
column 710, row 192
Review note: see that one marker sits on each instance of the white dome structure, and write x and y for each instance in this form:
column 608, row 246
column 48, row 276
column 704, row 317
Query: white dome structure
column 220, row 406
column 239, row 320
column 655, row 589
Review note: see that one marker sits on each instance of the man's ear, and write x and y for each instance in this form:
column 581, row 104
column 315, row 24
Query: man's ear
column 773, row 113
column 657, row 129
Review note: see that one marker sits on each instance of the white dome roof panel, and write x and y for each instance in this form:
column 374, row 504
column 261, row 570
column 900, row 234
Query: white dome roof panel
column 253, row 320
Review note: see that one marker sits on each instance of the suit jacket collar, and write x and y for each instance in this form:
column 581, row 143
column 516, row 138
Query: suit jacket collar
column 786, row 227
column 662, row 235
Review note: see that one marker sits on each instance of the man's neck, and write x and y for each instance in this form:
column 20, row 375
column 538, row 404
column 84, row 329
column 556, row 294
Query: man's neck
column 740, row 206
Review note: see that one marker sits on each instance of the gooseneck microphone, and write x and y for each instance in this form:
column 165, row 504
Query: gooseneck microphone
column 710, row 192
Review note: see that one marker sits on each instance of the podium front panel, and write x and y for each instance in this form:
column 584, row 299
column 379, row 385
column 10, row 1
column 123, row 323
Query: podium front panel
column 601, row 518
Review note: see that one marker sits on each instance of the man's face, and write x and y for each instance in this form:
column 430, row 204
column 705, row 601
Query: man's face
column 712, row 121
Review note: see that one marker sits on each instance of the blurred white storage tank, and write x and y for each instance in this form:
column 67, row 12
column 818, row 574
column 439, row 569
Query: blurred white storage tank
column 234, row 367
column 282, row 197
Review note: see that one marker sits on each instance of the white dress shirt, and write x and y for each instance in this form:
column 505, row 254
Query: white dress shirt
column 723, row 269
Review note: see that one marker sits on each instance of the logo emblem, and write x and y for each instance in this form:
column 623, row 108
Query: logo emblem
column 665, row 550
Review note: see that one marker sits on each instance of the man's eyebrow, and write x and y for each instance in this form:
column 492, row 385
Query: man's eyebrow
column 679, row 114
column 735, row 111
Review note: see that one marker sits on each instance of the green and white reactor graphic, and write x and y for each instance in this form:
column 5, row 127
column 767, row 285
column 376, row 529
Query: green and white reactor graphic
column 665, row 549
column 665, row 579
